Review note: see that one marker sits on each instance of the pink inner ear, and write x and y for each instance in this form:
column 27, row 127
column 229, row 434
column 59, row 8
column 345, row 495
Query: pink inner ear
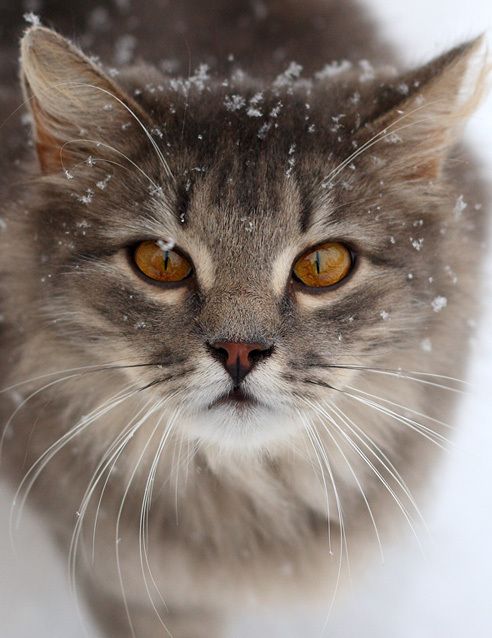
column 47, row 145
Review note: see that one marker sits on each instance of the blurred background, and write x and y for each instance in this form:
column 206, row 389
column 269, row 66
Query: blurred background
column 447, row 593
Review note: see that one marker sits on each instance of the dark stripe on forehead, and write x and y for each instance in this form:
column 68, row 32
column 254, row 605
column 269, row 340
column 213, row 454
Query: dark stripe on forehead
column 183, row 193
column 306, row 201
column 248, row 187
column 222, row 185
column 240, row 185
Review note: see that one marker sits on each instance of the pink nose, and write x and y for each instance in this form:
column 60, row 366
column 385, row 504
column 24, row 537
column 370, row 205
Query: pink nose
column 239, row 358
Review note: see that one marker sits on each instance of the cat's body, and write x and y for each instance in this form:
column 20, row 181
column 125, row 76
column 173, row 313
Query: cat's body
column 242, row 497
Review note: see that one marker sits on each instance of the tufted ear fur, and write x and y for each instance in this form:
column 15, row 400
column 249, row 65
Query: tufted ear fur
column 420, row 116
column 74, row 105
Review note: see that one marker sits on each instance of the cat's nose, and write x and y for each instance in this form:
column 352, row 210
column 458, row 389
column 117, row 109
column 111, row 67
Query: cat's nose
column 239, row 358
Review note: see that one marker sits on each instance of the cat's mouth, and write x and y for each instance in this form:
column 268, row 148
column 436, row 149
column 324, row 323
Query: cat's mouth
column 236, row 398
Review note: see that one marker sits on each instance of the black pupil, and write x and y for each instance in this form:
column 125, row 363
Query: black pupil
column 166, row 259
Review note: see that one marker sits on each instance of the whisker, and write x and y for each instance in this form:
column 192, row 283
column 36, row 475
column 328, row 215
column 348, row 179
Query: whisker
column 98, row 143
column 401, row 374
column 120, row 512
column 378, row 474
column 325, row 486
column 316, row 407
column 385, row 132
column 411, row 422
column 402, row 407
column 380, row 456
column 111, row 366
column 84, row 370
column 25, row 401
column 426, row 432
column 155, row 146
column 35, row 470
column 317, row 445
column 107, row 463
column 144, row 519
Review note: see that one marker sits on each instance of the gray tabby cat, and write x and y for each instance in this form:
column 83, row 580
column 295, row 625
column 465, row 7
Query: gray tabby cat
column 236, row 290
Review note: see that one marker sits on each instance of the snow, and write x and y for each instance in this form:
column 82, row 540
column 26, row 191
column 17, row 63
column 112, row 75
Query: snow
column 234, row 102
column 417, row 243
column 291, row 73
column 426, row 345
column 460, row 206
column 446, row 594
column 333, row 69
column 166, row 245
column 32, row 19
column 367, row 71
column 439, row 303
column 103, row 182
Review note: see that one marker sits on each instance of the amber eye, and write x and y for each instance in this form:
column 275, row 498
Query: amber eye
column 324, row 265
column 161, row 265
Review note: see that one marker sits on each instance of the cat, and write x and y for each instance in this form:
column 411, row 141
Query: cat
column 237, row 284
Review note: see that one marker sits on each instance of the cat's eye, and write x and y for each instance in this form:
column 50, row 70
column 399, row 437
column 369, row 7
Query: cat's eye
column 323, row 266
column 161, row 265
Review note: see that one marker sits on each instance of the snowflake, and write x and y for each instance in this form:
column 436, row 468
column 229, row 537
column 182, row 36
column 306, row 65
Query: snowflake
column 103, row 182
column 439, row 303
column 166, row 245
column 367, row 71
column 31, row 18
column 426, row 345
column 87, row 197
column 333, row 69
column 234, row 102
column 459, row 207
column 291, row 73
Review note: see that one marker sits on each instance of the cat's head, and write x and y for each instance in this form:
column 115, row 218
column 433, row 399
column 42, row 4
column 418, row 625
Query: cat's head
column 243, row 246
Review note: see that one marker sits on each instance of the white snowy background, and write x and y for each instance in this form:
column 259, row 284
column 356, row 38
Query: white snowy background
column 447, row 594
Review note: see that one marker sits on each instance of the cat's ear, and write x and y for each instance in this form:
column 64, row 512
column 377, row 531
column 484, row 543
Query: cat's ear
column 74, row 105
column 420, row 116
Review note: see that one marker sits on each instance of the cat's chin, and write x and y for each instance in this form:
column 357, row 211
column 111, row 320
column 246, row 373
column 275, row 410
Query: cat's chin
column 241, row 424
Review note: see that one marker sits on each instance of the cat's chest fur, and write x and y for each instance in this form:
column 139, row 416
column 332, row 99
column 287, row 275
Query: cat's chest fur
column 259, row 525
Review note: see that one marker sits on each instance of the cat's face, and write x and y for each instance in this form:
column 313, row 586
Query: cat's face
column 243, row 180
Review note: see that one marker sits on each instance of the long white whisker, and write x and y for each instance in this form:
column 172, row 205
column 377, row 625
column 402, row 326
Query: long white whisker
column 26, row 400
column 378, row 474
column 35, row 470
column 107, row 463
column 380, row 456
column 399, row 375
column 399, row 405
column 144, row 516
column 319, row 410
column 385, row 132
column 141, row 124
column 120, row 512
column 401, row 372
column 112, row 148
column 323, row 478
column 316, row 444
column 425, row 431
column 106, row 366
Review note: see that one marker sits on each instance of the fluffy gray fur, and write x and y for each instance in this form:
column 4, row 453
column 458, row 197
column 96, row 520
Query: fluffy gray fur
column 175, row 510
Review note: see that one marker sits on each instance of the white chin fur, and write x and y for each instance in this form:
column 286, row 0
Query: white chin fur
column 242, row 429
